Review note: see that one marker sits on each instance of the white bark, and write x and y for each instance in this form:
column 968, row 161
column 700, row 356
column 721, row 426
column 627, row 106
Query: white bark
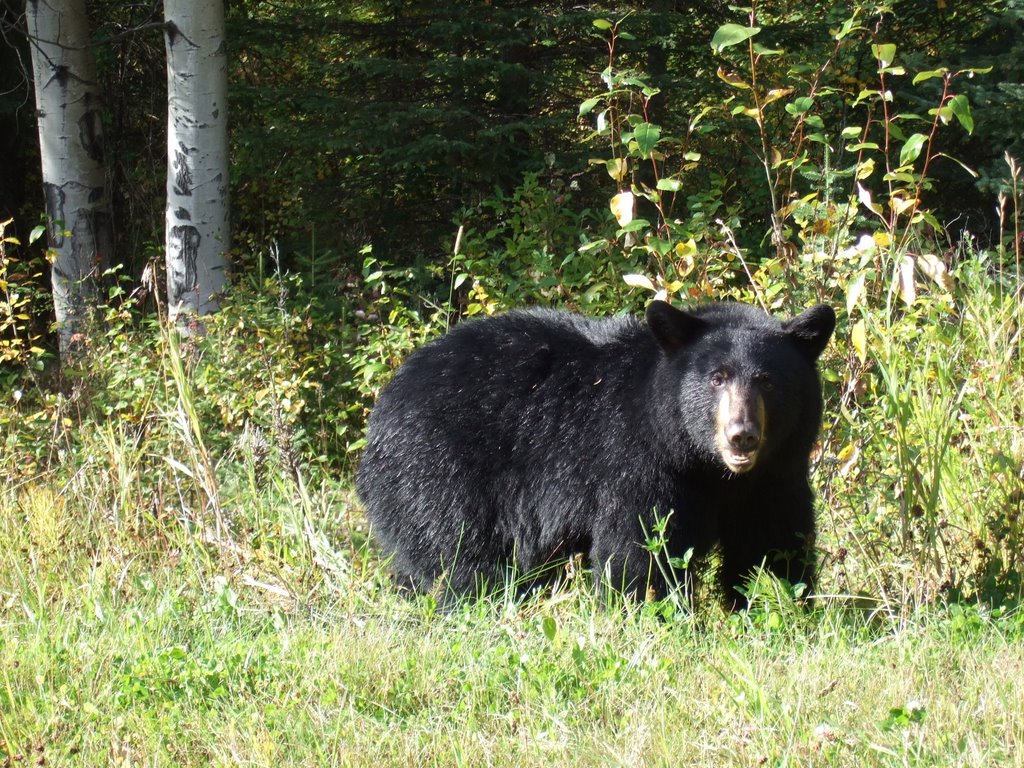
column 198, row 232
column 71, row 148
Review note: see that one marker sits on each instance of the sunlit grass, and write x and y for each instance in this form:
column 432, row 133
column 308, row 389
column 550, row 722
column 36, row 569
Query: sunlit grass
column 142, row 646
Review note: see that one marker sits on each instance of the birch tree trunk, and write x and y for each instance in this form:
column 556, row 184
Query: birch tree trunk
column 198, row 234
column 71, row 149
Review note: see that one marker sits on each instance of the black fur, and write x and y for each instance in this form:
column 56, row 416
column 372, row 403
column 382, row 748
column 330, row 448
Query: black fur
column 529, row 437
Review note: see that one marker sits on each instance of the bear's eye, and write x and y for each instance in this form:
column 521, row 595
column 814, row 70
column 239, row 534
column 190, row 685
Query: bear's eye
column 765, row 382
column 718, row 379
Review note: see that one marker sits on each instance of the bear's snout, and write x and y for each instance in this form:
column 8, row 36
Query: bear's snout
column 740, row 428
column 744, row 436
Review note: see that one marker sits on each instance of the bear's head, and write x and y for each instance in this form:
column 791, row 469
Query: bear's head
column 742, row 386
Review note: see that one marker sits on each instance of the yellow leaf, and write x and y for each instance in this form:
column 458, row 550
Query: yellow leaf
column 902, row 204
column 859, row 339
column 622, row 208
column 865, row 199
column 638, row 281
column 854, row 293
column 905, row 279
column 848, row 458
column 732, row 79
column 777, row 93
column 617, row 168
column 689, row 248
column 935, row 270
column 866, row 168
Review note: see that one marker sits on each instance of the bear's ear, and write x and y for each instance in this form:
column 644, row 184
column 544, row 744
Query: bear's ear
column 672, row 328
column 811, row 330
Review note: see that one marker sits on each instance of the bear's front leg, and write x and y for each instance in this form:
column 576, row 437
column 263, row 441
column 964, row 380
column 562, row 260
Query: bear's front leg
column 781, row 543
column 625, row 567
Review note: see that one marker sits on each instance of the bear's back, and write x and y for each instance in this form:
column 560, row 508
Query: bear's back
column 517, row 353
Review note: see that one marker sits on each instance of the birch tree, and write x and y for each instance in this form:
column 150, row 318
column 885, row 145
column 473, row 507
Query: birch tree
column 71, row 149
column 198, row 233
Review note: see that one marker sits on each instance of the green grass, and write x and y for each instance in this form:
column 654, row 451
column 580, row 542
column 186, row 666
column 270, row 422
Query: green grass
column 133, row 642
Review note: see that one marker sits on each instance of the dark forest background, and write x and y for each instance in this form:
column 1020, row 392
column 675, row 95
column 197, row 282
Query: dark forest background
column 390, row 123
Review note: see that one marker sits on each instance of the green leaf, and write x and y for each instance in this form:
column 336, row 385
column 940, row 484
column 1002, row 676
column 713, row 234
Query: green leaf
column 36, row 233
column 850, row 132
column 912, row 148
column 931, row 221
column 588, row 105
column 800, row 105
column 962, row 111
column 885, row 53
column 603, row 24
column 945, row 114
column 865, row 94
column 729, row 35
column 660, row 245
column 593, row 245
column 646, row 136
column 920, row 77
column 550, row 628
column 762, row 50
column 594, row 292
column 970, row 170
column 846, row 28
column 635, row 225
column 670, row 185
column 634, row 81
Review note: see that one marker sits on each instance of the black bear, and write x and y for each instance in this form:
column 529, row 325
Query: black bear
column 530, row 437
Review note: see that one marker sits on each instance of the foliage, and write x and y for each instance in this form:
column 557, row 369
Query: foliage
column 21, row 298
column 378, row 124
column 798, row 121
column 524, row 249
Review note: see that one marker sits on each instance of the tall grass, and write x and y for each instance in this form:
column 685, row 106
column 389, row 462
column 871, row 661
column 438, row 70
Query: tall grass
column 922, row 472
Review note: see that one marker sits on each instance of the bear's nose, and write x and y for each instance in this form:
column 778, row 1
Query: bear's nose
column 743, row 436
